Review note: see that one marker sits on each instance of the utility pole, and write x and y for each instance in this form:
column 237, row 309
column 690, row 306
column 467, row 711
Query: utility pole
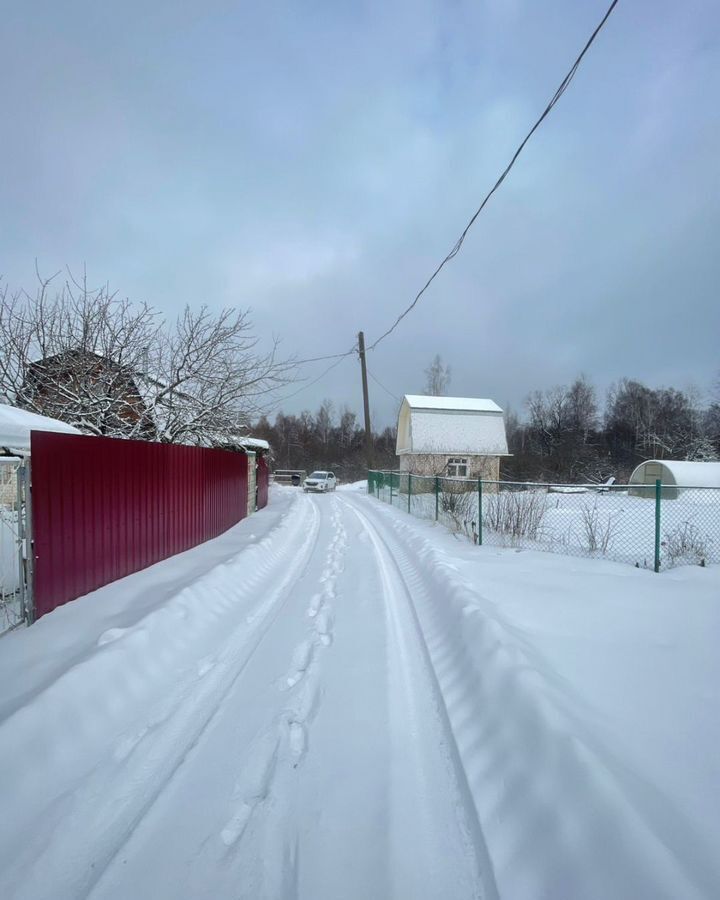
column 366, row 402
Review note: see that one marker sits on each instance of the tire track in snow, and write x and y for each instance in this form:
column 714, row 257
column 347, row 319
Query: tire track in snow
column 281, row 748
column 559, row 821
column 421, row 699
column 184, row 718
column 305, row 661
column 262, row 764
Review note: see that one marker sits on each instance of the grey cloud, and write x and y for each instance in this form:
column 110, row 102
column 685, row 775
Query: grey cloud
column 315, row 161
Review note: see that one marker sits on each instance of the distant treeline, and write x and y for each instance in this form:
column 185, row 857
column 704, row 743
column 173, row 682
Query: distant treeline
column 325, row 440
column 564, row 434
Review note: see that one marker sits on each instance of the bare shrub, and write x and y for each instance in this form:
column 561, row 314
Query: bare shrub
column 598, row 529
column 685, row 543
column 459, row 505
column 517, row 513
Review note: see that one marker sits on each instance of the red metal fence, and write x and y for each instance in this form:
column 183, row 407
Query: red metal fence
column 263, row 479
column 104, row 507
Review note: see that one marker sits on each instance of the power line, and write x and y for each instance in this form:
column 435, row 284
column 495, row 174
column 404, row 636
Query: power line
column 387, row 391
column 338, row 359
column 456, row 249
column 301, row 362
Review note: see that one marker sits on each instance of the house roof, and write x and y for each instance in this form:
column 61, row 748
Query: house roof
column 16, row 425
column 457, row 404
column 451, row 426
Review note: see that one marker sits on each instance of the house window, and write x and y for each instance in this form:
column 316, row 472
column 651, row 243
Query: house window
column 457, row 467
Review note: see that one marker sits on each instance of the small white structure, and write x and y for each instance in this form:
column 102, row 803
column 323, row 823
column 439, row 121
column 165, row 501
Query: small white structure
column 16, row 425
column 674, row 473
column 461, row 437
column 255, row 444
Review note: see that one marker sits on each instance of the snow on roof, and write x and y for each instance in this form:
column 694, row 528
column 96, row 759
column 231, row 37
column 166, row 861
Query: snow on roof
column 459, row 404
column 451, row 425
column 16, row 425
column 682, row 472
column 253, row 443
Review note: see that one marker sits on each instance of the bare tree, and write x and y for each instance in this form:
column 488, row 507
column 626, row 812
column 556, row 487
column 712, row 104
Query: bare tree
column 113, row 367
column 437, row 377
column 324, row 421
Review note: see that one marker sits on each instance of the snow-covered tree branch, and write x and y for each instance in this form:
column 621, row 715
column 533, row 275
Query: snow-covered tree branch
column 113, row 367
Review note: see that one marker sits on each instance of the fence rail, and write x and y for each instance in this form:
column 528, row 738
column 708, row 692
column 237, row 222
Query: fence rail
column 652, row 526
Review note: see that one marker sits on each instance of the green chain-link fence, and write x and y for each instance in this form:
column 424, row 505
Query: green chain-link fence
column 649, row 526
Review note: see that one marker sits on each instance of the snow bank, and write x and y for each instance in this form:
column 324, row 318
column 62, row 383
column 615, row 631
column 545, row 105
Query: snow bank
column 32, row 659
column 582, row 695
column 83, row 688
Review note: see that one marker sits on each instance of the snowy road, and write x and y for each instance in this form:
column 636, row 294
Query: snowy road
column 326, row 714
column 298, row 747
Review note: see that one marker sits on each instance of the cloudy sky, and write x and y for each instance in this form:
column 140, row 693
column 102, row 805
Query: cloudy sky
column 315, row 160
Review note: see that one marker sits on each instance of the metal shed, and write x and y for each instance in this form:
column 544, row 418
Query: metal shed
column 674, row 475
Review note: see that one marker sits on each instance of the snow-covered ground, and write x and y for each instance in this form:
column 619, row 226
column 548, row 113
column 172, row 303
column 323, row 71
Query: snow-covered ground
column 337, row 700
column 609, row 524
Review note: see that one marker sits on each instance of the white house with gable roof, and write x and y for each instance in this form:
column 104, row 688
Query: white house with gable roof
column 456, row 437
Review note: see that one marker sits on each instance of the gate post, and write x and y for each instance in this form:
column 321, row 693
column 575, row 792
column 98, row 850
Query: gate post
column 437, row 496
column 658, row 498
column 409, row 490
column 26, row 545
column 19, row 500
column 479, row 511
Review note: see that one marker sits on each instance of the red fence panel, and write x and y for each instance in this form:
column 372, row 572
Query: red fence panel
column 263, row 479
column 105, row 507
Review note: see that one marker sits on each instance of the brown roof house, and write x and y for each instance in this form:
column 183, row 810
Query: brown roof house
column 90, row 391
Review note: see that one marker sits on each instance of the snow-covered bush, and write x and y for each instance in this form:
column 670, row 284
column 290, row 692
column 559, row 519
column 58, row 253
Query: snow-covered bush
column 685, row 543
column 515, row 513
column 598, row 529
column 459, row 506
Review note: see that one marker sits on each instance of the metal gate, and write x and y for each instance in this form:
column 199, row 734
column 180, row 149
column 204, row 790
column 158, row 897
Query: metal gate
column 15, row 567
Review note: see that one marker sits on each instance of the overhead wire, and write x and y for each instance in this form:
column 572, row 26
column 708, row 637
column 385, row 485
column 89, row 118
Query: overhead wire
column 387, row 390
column 564, row 84
column 458, row 244
column 338, row 359
column 312, row 359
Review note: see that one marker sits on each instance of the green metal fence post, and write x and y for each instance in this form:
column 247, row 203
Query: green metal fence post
column 480, row 512
column 409, row 490
column 391, row 487
column 437, row 496
column 658, row 496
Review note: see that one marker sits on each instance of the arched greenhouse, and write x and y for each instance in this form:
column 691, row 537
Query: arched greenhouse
column 674, row 475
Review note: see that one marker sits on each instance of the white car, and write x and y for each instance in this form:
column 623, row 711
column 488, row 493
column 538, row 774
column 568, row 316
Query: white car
column 320, row 482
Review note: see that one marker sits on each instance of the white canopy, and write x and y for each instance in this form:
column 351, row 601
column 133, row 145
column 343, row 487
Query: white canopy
column 16, row 425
